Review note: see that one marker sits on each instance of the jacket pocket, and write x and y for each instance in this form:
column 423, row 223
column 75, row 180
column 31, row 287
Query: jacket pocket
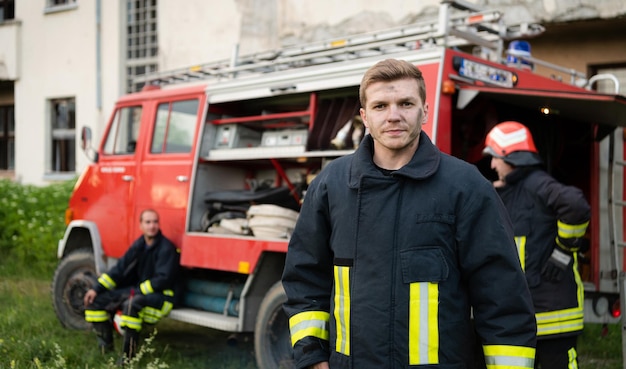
column 430, row 230
column 422, row 270
column 423, row 264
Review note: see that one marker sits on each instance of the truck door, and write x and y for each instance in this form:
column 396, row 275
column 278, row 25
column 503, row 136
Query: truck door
column 117, row 172
column 165, row 171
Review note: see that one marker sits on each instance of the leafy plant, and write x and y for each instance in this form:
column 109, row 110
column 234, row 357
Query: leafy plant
column 31, row 224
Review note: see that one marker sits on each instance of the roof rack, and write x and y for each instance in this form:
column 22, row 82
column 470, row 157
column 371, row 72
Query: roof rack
column 467, row 24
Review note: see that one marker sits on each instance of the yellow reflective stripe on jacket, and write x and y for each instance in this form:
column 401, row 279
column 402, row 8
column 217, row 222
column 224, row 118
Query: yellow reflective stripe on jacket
column 309, row 324
column 96, row 316
column 566, row 320
column 509, row 357
column 342, row 309
column 146, row 287
column 560, row 321
column 571, row 230
column 107, row 282
column 520, row 242
column 423, row 323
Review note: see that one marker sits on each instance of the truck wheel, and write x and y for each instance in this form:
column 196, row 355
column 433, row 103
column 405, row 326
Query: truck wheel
column 75, row 274
column 272, row 341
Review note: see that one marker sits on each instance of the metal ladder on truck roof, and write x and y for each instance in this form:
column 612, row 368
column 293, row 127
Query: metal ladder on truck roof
column 468, row 24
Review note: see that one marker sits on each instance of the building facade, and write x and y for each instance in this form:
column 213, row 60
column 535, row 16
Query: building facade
column 63, row 63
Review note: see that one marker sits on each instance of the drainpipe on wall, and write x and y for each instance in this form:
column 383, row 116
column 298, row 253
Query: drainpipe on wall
column 98, row 55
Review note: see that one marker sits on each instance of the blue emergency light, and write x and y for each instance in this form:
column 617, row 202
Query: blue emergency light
column 519, row 49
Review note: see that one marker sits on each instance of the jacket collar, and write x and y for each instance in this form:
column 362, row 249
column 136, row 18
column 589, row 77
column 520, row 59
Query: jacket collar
column 157, row 240
column 519, row 173
column 424, row 163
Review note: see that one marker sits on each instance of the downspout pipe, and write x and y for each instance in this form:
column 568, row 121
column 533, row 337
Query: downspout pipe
column 99, row 54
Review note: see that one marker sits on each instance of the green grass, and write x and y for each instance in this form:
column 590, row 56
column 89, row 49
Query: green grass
column 600, row 346
column 32, row 337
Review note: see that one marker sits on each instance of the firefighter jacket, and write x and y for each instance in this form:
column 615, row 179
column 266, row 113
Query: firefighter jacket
column 542, row 209
column 147, row 269
column 382, row 270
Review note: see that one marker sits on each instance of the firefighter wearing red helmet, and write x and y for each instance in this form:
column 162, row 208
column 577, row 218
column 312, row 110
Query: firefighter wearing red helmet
column 550, row 220
column 512, row 142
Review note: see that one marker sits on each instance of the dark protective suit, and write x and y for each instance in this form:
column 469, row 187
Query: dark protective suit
column 542, row 208
column 382, row 270
column 150, row 272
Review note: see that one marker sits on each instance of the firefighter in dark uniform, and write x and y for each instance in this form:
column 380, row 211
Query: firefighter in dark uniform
column 550, row 220
column 141, row 285
column 394, row 246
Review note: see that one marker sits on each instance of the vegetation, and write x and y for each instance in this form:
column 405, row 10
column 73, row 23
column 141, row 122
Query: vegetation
column 31, row 223
column 31, row 337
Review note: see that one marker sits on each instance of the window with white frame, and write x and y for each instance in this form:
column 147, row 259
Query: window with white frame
column 141, row 40
column 7, row 137
column 53, row 6
column 53, row 3
column 63, row 135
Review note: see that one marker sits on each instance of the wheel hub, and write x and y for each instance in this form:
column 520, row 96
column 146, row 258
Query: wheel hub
column 75, row 289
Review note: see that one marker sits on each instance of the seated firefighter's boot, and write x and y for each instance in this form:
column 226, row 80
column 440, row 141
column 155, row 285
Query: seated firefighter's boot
column 104, row 333
column 131, row 340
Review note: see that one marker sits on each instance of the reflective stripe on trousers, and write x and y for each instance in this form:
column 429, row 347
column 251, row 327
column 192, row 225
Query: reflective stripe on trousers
column 147, row 314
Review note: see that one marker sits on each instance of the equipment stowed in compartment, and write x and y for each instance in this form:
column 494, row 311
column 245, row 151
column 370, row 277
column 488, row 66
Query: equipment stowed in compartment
column 216, row 297
column 234, row 204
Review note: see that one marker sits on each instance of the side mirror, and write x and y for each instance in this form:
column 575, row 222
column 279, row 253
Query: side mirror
column 85, row 138
column 85, row 144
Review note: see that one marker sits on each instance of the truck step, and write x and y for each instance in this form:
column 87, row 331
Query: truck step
column 206, row 319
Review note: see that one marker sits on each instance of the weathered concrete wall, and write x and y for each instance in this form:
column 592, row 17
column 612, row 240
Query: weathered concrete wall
column 274, row 23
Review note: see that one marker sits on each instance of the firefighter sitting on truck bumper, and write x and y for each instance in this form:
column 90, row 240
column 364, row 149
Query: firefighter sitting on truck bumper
column 140, row 286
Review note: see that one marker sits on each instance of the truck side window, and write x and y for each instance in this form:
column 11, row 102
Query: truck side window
column 124, row 131
column 174, row 127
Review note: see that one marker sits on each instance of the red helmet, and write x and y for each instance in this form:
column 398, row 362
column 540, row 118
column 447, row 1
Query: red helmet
column 513, row 142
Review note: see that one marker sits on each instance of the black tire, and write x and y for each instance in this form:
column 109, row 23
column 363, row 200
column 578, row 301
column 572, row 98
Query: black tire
column 74, row 275
column 272, row 341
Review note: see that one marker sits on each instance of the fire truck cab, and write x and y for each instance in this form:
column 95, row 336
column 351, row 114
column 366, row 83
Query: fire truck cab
column 226, row 156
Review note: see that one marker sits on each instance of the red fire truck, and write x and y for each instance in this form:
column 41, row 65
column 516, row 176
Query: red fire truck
column 224, row 152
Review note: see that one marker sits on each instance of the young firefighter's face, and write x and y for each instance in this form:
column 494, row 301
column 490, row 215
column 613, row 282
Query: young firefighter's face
column 394, row 114
column 149, row 224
